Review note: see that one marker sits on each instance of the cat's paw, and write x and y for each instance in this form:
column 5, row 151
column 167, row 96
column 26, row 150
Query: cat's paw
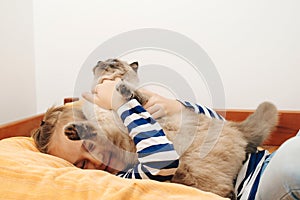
column 125, row 90
column 79, row 131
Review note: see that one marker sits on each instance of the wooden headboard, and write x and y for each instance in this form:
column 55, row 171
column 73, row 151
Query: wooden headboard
column 289, row 124
column 22, row 127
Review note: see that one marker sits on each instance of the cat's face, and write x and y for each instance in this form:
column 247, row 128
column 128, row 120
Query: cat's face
column 115, row 68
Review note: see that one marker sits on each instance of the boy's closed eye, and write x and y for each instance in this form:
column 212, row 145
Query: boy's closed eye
column 87, row 147
column 81, row 164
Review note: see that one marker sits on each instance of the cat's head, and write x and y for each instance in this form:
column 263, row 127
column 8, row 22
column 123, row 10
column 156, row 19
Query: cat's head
column 111, row 69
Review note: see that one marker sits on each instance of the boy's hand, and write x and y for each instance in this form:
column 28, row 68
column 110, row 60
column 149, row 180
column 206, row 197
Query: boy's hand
column 159, row 106
column 105, row 95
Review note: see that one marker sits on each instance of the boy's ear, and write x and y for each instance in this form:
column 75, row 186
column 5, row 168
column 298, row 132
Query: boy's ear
column 134, row 66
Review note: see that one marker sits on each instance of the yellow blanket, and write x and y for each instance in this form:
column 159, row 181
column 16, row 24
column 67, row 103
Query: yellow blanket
column 25, row 173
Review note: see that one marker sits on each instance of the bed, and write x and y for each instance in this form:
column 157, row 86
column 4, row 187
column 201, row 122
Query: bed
column 25, row 173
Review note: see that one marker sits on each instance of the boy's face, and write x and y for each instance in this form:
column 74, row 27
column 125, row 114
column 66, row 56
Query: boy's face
column 85, row 154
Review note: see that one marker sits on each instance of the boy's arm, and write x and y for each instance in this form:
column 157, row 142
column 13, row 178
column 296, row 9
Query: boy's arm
column 198, row 108
column 156, row 155
column 159, row 106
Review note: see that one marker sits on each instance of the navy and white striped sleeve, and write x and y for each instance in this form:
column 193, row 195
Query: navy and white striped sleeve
column 157, row 157
column 249, row 176
column 198, row 108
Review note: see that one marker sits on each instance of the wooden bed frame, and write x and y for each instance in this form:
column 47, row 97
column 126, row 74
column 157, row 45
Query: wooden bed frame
column 289, row 124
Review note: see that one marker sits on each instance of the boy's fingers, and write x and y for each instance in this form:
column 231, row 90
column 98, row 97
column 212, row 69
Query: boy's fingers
column 148, row 104
column 152, row 109
column 158, row 114
column 111, row 80
column 89, row 97
column 156, row 111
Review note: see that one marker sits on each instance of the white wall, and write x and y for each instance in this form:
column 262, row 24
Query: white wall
column 17, row 74
column 254, row 44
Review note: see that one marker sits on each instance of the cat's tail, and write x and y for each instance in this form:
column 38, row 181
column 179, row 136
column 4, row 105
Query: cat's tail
column 258, row 126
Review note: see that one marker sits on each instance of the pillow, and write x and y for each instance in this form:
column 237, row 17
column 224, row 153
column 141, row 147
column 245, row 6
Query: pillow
column 25, row 173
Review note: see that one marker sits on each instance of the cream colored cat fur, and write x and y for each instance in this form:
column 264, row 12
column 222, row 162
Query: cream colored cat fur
column 211, row 151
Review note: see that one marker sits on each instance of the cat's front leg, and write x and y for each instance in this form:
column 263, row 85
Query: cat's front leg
column 128, row 92
column 80, row 131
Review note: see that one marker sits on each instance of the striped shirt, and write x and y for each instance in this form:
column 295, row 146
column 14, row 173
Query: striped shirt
column 159, row 161
column 249, row 176
column 198, row 108
column 157, row 158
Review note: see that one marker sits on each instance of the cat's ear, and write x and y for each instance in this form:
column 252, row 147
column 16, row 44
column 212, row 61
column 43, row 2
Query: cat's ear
column 134, row 66
column 94, row 69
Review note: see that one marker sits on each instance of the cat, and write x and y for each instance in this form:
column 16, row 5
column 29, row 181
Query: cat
column 214, row 170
